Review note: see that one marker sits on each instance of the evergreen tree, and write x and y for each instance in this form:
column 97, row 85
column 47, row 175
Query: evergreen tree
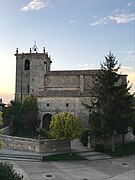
column 111, row 108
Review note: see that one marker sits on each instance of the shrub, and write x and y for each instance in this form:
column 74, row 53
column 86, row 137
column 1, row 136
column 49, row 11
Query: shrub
column 99, row 148
column 43, row 132
column 84, row 136
column 8, row 173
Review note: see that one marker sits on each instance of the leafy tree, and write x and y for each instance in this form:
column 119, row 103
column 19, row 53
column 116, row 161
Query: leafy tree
column 65, row 126
column 30, row 112
column 8, row 173
column 13, row 114
column 111, row 108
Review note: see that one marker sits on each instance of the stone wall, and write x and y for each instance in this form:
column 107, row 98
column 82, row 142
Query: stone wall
column 106, row 140
column 64, row 104
column 30, row 81
column 52, row 145
column 33, row 145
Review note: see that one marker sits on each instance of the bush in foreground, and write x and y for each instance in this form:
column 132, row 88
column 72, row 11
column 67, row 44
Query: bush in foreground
column 8, row 173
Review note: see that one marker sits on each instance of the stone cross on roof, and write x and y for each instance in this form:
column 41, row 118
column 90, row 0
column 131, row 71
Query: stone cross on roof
column 34, row 48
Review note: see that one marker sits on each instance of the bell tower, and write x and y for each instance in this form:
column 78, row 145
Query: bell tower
column 31, row 69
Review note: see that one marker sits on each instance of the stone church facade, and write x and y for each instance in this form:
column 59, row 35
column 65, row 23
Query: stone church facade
column 56, row 91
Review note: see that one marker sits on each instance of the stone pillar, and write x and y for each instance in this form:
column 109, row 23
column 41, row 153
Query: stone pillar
column 81, row 83
column 89, row 141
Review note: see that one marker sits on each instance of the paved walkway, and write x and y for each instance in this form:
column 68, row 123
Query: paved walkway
column 90, row 169
column 110, row 169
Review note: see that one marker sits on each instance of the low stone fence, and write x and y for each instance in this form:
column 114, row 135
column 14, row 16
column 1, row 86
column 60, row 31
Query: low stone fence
column 34, row 145
column 106, row 140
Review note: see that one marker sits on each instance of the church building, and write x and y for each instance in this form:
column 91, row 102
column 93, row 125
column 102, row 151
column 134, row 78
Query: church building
column 56, row 91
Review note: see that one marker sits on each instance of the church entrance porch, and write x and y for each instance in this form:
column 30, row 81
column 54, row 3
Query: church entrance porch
column 46, row 121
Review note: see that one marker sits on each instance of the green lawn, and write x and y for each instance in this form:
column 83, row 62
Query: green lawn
column 123, row 150
column 63, row 157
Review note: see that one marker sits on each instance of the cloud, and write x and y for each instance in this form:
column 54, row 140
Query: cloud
column 132, row 3
column 34, row 5
column 72, row 21
column 101, row 21
column 122, row 18
column 118, row 16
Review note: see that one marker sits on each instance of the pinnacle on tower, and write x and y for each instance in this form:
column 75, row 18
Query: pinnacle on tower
column 34, row 48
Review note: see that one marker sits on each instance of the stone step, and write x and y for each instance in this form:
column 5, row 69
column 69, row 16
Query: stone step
column 92, row 155
column 21, row 157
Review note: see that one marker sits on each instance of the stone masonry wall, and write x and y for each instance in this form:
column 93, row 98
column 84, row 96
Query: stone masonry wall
column 59, row 104
column 106, row 140
column 33, row 145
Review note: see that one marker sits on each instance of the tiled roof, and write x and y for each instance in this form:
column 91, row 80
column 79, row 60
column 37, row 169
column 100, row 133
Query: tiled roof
column 71, row 72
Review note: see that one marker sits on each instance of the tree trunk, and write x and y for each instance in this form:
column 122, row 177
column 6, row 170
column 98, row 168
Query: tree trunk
column 70, row 147
column 123, row 138
column 112, row 143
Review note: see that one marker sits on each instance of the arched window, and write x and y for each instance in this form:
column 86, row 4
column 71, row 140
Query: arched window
column 27, row 64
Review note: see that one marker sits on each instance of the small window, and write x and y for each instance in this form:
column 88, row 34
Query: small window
column 33, row 79
column 67, row 105
column 32, row 90
column 28, row 88
column 27, row 64
column 48, row 104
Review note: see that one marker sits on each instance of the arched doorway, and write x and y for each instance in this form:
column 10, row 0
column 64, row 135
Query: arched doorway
column 46, row 121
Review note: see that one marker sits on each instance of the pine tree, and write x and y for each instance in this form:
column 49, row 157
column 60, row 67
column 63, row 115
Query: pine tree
column 111, row 108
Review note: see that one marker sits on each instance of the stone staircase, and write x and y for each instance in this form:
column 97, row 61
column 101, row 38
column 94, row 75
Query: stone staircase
column 92, row 155
column 86, row 152
column 9, row 154
column 33, row 158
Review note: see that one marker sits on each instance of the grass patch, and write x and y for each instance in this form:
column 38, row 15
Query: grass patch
column 123, row 150
column 63, row 157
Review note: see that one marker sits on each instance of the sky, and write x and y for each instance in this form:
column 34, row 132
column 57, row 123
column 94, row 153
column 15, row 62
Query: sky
column 78, row 34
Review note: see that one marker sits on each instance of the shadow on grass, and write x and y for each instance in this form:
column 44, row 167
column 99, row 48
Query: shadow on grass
column 63, row 157
column 123, row 150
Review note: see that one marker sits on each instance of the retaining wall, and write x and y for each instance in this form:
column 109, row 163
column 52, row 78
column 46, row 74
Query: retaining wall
column 34, row 145
column 106, row 140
